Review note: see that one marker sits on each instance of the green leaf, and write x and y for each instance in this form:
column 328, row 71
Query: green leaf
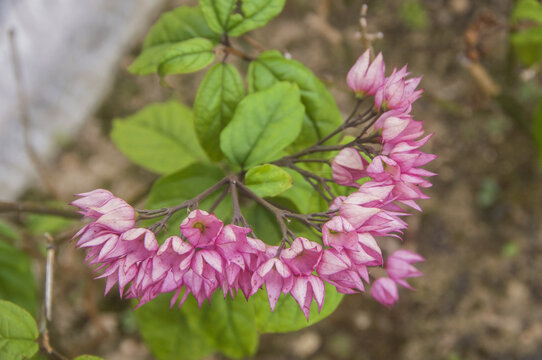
column 186, row 57
column 528, row 45
column 322, row 115
column 88, row 357
column 161, row 137
column 219, row 93
column 254, row 14
column 40, row 224
column 218, row 14
column 18, row 332
column 173, row 27
column 287, row 315
column 528, row 10
column 263, row 223
column 303, row 195
column 191, row 333
column 263, row 124
column 268, row 180
column 16, row 278
column 8, row 232
column 178, row 58
column 183, row 185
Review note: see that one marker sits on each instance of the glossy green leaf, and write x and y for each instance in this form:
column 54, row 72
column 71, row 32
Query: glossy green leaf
column 218, row 95
column 263, row 223
column 88, row 357
column 287, row 315
column 219, row 14
column 263, row 124
column 268, row 180
column 16, row 278
column 186, row 57
column 161, row 137
column 322, row 115
column 18, row 332
column 191, row 333
column 254, row 14
column 183, row 185
column 173, row 27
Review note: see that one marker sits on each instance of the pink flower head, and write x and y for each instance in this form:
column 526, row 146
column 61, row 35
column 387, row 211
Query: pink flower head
column 277, row 278
column 384, row 290
column 365, row 78
column 337, row 269
column 201, row 228
column 398, row 93
column 204, row 274
column 124, row 260
column 399, row 266
column 348, row 166
column 305, row 289
column 94, row 198
column 111, row 212
column 302, row 256
column 339, row 233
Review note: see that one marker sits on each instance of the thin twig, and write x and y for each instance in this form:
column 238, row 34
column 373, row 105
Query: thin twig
column 35, row 208
column 169, row 212
column 47, row 316
column 25, row 118
column 218, row 200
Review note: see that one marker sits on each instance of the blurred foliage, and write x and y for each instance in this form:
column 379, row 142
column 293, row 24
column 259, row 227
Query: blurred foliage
column 413, row 14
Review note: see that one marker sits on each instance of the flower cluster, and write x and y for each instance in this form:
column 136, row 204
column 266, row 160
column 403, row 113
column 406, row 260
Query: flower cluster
column 396, row 178
column 208, row 255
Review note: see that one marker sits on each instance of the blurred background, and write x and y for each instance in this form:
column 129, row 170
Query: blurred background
column 481, row 232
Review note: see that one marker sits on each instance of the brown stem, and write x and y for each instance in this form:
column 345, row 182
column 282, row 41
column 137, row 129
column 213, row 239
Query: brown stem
column 238, row 53
column 37, row 209
column 169, row 212
column 47, row 316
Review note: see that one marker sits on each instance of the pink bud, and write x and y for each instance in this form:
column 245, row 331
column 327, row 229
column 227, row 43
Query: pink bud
column 385, row 292
column 348, row 166
column 365, row 77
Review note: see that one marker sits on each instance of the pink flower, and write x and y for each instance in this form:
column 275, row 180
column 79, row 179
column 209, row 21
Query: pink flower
column 399, row 266
column 338, row 269
column 124, row 259
column 107, row 210
column 94, row 198
column 365, row 78
column 277, row 278
column 385, row 292
column 201, row 228
column 339, row 233
column 348, row 166
column 302, row 258
column 398, row 93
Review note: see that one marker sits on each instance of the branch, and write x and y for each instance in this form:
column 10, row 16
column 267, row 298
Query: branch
column 37, row 209
column 47, row 315
column 169, row 212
